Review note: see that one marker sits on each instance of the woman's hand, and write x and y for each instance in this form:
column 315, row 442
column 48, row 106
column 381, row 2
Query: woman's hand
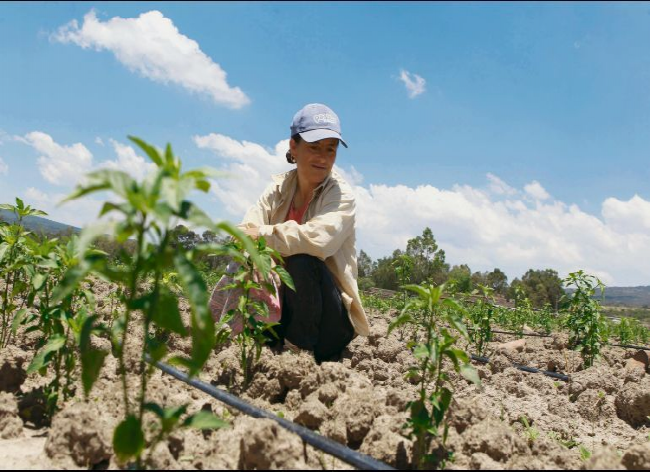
column 252, row 232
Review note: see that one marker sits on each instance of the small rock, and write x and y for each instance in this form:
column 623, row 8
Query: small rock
column 269, row 446
column 633, row 402
column 512, row 346
column 13, row 368
column 605, row 458
column 638, row 361
column 637, row 457
column 11, row 426
column 76, row 434
column 311, row 414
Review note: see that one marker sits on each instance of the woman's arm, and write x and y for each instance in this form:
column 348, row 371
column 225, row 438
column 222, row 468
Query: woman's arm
column 322, row 235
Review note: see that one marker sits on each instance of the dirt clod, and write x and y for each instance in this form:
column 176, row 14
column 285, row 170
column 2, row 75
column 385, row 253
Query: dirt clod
column 76, row 434
column 11, row 426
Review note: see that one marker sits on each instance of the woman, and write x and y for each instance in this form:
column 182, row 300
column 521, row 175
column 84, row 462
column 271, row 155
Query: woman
column 308, row 215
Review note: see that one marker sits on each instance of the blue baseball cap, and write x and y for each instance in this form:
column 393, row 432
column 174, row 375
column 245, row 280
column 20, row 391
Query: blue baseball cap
column 315, row 122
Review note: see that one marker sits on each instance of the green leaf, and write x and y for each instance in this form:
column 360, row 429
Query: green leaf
column 4, row 247
column 40, row 360
column 167, row 314
column 285, row 277
column 249, row 246
column 71, row 280
column 128, row 439
column 38, row 281
column 151, row 151
column 202, row 323
column 421, row 291
column 205, row 420
column 470, row 373
column 92, row 361
column 18, row 319
column 401, row 320
column 155, row 409
column 421, row 352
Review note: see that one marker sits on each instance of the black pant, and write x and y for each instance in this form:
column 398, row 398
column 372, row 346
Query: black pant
column 314, row 316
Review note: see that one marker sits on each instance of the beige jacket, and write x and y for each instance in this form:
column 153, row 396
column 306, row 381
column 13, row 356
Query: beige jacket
column 327, row 232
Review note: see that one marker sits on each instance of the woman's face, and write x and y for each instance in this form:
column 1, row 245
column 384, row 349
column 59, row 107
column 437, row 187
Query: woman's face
column 314, row 160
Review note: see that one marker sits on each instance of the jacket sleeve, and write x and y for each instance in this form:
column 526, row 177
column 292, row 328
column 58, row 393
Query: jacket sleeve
column 260, row 213
column 323, row 235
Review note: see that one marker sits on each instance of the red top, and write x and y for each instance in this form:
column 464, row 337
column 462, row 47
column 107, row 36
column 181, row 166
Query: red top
column 296, row 214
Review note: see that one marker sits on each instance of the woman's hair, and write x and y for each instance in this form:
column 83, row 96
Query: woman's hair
column 296, row 137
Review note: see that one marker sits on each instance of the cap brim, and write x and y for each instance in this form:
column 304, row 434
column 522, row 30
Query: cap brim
column 318, row 134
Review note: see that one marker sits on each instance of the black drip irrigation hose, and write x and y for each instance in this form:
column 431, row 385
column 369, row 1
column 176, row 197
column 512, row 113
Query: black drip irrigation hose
column 524, row 368
column 627, row 346
column 361, row 461
column 631, row 346
column 517, row 334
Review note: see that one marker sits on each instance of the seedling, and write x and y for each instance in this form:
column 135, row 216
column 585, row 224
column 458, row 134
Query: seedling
column 427, row 414
column 149, row 211
column 585, row 322
column 531, row 433
column 253, row 314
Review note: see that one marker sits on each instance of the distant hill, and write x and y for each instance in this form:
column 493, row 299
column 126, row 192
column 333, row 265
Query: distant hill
column 627, row 296
column 38, row 224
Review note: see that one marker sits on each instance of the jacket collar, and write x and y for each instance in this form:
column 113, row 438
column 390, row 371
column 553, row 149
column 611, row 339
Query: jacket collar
column 288, row 180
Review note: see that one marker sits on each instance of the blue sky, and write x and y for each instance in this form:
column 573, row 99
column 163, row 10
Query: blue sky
column 527, row 147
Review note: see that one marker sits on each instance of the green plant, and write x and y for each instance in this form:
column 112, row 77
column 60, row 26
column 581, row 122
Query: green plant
column 531, row 433
column 15, row 258
column 480, row 318
column 624, row 331
column 522, row 312
column 251, row 312
column 584, row 452
column 585, row 322
column 149, row 211
column 427, row 413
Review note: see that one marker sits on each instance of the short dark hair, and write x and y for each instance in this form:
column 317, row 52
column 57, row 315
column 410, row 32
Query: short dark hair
column 297, row 138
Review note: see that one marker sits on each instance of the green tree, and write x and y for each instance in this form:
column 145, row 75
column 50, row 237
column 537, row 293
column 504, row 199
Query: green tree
column 384, row 274
column 540, row 287
column 461, row 278
column 365, row 265
column 428, row 259
column 497, row 281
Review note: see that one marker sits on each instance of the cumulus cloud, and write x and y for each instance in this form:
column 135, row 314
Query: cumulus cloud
column 535, row 190
column 128, row 161
column 59, row 165
column 632, row 216
column 415, row 85
column 499, row 226
column 66, row 165
column 499, row 187
column 4, row 168
column 152, row 46
column 75, row 212
column 250, row 165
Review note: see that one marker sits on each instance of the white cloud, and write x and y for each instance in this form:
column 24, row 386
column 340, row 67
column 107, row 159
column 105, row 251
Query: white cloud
column 75, row 212
column 632, row 216
column 152, row 46
column 473, row 226
column 415, row 85
column 251, row 166
column 59, row 165
column 99, row 141
column 66, row 165
column 535, row 190
column 4, row 168
column 128, row 161
column 499, row 187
